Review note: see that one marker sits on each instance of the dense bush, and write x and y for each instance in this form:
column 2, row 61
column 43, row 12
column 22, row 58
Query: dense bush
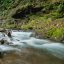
column 5, row 4
column 43, row 21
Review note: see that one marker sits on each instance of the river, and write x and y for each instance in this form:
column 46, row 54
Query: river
column 22, row 48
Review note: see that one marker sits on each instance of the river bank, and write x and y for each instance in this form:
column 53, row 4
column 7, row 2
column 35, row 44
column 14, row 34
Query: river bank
column 35, row 34
column 30, row 56
column 46, row 18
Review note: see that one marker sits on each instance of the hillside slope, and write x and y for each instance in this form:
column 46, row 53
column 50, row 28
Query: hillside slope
column 46, row 17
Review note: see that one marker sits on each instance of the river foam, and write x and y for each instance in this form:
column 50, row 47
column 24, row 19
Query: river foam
column 21, row 40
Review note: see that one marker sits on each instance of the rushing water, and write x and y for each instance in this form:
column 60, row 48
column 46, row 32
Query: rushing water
column 22, row 42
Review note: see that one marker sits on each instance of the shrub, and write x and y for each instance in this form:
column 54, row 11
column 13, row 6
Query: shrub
column 58, row 34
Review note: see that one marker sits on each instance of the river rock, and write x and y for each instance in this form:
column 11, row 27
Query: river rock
column 2, row 30
column 8, row 32
column 2, row 41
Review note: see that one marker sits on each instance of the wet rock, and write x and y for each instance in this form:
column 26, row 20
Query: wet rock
column 2, row 30
column 2, row 42
column 9, row 34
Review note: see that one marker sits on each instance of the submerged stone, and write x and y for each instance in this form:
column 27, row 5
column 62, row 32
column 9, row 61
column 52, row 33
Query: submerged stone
column 2, row 41
column 9, row 34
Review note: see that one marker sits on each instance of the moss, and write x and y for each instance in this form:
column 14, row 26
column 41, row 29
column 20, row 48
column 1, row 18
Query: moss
column 53, row 29
column 58, row 34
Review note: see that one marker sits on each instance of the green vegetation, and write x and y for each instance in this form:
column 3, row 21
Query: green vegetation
column 47, row 21
column 52, row 29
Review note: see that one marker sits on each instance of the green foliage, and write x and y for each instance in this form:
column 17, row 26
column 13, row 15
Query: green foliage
column 27, row 27
column 51, row 31
column 61, row 7
column 42, row 22
column 58, row 34
column 5, row 4
column 48, row 28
